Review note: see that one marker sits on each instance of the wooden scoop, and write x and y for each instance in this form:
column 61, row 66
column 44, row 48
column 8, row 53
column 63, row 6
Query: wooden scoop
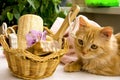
column 74, row 11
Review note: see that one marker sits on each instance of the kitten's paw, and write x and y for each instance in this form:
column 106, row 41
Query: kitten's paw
column 72, row 67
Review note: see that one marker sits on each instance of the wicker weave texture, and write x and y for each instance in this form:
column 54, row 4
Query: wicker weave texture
column 27, row 65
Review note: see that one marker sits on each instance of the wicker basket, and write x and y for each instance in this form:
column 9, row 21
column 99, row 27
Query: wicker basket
column 26, row 65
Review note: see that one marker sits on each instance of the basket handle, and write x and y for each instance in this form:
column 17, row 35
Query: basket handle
column 74, row 11
column 5, row 35
column 11, row 29
column 4, row 29
column 3, row 42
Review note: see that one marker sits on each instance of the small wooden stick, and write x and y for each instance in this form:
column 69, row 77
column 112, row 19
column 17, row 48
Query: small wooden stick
column 74, row 11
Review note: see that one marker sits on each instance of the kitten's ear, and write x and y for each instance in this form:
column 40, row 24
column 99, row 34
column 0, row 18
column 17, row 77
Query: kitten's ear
column 82, row 22
column 106, row 32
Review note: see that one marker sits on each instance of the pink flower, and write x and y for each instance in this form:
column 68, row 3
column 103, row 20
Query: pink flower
column 34, row 36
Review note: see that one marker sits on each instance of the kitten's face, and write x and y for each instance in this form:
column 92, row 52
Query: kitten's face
column 92, row 41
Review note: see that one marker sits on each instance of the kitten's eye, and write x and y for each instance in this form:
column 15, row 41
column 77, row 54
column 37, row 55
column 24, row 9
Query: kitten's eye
column 93, row 46
column 80, row 41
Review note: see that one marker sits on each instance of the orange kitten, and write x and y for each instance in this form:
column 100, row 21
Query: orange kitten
column 97, row 50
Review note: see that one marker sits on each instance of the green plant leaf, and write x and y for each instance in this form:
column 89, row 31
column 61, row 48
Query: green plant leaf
column 9, row 16
column 37, row 4
column 11, row 10
column 62, row 14
column 31, row 2
column 56, row 1
column 56, row 9
column 16, row 13
column 21, row 7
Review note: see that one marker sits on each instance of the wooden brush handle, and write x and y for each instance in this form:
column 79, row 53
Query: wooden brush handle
column 74, row 11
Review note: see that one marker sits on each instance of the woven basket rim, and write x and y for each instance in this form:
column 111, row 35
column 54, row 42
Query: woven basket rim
column 26, row 54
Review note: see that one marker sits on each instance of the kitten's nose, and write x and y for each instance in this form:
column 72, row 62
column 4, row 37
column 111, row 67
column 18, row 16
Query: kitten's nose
column 83, row 52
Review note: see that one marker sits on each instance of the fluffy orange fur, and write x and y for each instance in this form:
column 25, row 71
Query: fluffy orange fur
column 98, row 50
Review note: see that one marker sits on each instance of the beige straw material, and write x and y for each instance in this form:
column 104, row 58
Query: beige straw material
column 3, row 42
column 25, row 24
column 26, row 65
